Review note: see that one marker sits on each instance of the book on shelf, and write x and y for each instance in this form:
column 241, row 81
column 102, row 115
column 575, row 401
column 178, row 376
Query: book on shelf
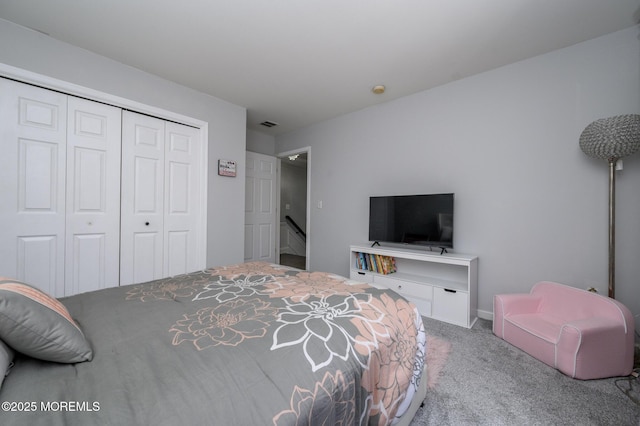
column 377, row 263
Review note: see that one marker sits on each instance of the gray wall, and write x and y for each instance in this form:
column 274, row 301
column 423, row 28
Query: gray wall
column 260, row 143
column 36, row 52
column 529, row 203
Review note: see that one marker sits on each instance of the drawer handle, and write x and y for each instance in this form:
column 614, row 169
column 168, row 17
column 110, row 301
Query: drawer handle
column 360, row 273
column 450, row 291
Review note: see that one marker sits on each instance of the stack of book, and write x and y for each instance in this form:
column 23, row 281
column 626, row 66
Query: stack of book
column 375, row 263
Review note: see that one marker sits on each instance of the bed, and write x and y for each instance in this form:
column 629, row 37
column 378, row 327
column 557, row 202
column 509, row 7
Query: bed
column 248, row 344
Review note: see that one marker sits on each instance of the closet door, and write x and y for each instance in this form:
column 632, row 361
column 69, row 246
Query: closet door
column 32, row 185
column 142, row 210
column 92, row 254
column 161, row 202
column 182, row 200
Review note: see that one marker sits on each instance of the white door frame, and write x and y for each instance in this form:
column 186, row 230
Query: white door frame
column 304, row 150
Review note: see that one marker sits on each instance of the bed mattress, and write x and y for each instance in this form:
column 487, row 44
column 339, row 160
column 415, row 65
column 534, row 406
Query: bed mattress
column 245, row 344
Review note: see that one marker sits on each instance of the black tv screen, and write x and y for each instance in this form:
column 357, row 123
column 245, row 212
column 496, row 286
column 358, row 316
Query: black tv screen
column 421, row 220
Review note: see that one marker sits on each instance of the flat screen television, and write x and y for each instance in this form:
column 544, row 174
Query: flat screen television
column 419, row 220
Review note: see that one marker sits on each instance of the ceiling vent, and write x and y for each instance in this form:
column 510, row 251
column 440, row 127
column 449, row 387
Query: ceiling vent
column 268, row 124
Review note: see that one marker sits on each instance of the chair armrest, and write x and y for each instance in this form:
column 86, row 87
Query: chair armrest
column 507, row 304
column 518, row 303
column 596, row 325
column 585, row 346
column 599, row 330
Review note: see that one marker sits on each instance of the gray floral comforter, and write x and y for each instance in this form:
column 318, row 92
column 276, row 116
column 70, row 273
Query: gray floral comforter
column 247, row 344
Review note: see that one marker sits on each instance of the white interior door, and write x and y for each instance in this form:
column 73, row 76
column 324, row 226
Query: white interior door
column 142, row 209
column 32, row 185
column 92, row 254
column 181, row 199
column 260, row 208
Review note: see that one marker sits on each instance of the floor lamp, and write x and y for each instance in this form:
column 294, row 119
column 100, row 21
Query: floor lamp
column 611, row 139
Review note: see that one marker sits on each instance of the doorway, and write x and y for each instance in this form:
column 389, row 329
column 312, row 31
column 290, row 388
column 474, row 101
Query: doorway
column 293, row 211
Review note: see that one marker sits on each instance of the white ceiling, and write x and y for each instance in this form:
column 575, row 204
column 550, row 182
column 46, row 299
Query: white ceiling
column 297, row 62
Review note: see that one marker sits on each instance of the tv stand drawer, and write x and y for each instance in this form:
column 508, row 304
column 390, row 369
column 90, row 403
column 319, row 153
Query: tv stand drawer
column 405, row 287
column 359, row 275
column 420, row 294
column 450, row 305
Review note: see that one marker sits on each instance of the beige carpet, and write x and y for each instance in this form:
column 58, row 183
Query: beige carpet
column 486, row 381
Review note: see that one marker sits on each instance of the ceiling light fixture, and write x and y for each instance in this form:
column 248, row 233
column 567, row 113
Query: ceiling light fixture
column 378, row 90
column 294, row 157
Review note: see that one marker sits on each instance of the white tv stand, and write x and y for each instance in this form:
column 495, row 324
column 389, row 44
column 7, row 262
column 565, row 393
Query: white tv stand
column 442, row 286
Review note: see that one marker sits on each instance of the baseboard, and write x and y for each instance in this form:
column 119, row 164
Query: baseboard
column 487, row 315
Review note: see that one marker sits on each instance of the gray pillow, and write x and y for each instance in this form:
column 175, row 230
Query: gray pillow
column 38, row 325
column 6, row 360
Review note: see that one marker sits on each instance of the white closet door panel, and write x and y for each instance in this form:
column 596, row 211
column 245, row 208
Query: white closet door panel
column 90, row 181
column 38, row 260
column 32, row 185
column 147, row 189
column 178, row 249
column 38, row 179
column 146, row 256
column 142, row 210
column 93, row 196
column 182, row 202
column 179, row 179
column 39, row 110
column 89, row 263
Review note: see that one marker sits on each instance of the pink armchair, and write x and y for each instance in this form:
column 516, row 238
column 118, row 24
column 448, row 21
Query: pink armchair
column 582, row 334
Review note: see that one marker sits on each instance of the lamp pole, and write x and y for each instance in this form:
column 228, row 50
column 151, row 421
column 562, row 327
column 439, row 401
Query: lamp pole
column 611, row 139
column 612, row 227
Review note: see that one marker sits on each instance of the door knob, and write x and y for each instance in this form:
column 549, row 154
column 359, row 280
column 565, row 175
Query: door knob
column 146, row 223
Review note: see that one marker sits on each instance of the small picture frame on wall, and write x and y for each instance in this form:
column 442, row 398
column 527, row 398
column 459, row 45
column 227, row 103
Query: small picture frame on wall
column 227, row 168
